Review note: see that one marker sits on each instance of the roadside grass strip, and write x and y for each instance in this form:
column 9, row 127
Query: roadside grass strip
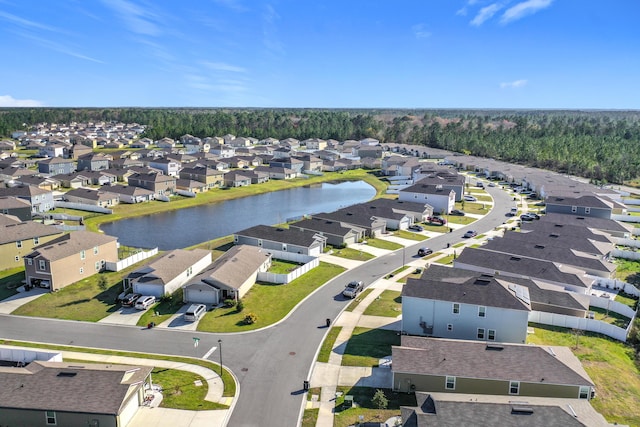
column 387, row 304
column 367, row 346
column 328, row 344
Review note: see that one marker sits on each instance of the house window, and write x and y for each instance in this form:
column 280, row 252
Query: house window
column 584, row 392
column 98, row 265
column 449, row 327
column 491, row 334
column 482, row 311
column 81, row 270
column 480, row 333
column 29, row 261
column 514, row 387
column 50, row 416
column 19, row 243
column 587, row 211
column 95, row 250
column 42, row 264
column 82, row 255
column 235, row 239
column 36, row 240
column 450, row 383
column 259, row 242
column 17, row 258
column 456, row 308
column 189, row 271
column 574, row 209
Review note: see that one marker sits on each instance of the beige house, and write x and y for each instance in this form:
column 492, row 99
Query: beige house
column 69, row 258
column 17, row 239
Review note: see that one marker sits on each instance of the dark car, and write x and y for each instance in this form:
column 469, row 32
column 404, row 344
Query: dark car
column 436, row 220
column 469, row 234
column 457, row 212
column 526, row 217
column 130, row 299
column 425, row 251
column 416, row 227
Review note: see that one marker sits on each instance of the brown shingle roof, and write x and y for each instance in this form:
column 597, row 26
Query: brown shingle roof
column 70, row 244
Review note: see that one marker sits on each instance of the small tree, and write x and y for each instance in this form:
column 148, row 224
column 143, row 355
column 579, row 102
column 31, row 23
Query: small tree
column 102, row 283
column 379, row 400
column 250, row 319
column 239, row 306
column 229, row 302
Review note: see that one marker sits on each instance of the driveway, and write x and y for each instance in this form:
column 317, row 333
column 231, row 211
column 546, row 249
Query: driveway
column 177, row 321
column 8, row 305
column 124, row 316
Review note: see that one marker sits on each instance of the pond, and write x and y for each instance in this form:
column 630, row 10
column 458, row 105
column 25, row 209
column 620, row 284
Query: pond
column 190, row 226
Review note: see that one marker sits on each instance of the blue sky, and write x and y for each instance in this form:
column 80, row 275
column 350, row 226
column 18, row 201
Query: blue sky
column 321, row 53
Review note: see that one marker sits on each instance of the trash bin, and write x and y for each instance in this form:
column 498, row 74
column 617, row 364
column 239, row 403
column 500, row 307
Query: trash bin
column 305, row 385
column 328, row 322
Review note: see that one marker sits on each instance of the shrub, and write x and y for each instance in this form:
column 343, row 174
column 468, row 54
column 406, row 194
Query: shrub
column 102, row 283
column 250, row 319
column 379, row 400
column 229, row 303
column 239, row 306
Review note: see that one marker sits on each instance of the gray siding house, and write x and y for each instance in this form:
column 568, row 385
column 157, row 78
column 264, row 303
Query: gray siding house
column 591, row 206
column 282, row 239
column 56, row 166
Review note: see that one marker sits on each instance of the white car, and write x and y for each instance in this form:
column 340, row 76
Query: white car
column 145, row 302
column 470, row 199
column 195, row 312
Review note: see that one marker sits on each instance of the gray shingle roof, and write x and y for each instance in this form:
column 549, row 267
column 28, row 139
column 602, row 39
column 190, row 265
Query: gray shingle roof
column 290, row 236
column 323, row 226
column 583, row 201
column 559, row 239
column 24, row 231
column 591, row 222
column 472, row 359
column 10, row 202
column 462, row 286
column 70, row 244
column 234, row 267
column 66, row 387
column 166, row 268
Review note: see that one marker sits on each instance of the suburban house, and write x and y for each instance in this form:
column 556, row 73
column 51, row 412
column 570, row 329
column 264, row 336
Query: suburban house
column 461, row 304
column 453, row 409
column 130, row 194
column 19, row 208
column 508, row 265
column 168, row 273
column 93, row 162
column 314, row 144
column 310, row 163
column 399, row 166
column 167, row 166
column 282, row 239
column 17, row 239
column 365, row 150
column 41, row 200
column 53, row 150
column 444, row 179
column 56, row 166
column 38, row 181
column 418, row 212
column 224, row 151
column 228, row 277
column 574, row 238
column 74, row 179
column 277, row 172
column 472, row 367
column 72, row 394
column 442, row 200
column 356, row 218
column 590, row 206
column 609, row 226
column 87, row 196
column 69, row 258
column 156, row 182
column 337, row 234
column 287, row 163
column 211, row 177
column 78, row 150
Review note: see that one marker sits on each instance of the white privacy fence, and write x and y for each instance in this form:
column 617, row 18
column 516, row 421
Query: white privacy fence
column 633, row 243
column 615, row 284
column 82, row 207
column 620, row 253
column 580, row 323
column 129, row 261
column 308, row 264
column 614, row 306
column 625, row 218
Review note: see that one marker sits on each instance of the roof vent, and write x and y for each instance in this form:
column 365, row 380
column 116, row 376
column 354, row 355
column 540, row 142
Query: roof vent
column 521, row 410
column 554, row 235
column 494, row 347
column 515, row 258
column 482, row 281
column 67, row 374
column 539, row 246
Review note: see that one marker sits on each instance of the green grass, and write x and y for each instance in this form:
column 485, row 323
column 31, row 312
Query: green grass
column 611, row 317
column 628, row 270
column 367, row 346
column 627, row 300
column 362, row 397
column 227, row 378
column 476, row 208
column 269, row 302
column 457, row 245
column 436, row 228
column 328, row 344
column 464, row 220
column 383, row 244
column 10, row 280
column 353, row 304
column 279, row 266
column 409, row 235
column 180, row 392
column 310, row 417
column 353, row 254
column 165, row 309
column 609, row 363
column 445, row 260
column 388, row 304
column 396, row 272
column 416, row 274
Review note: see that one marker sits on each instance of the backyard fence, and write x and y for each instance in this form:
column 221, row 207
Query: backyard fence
column 129, row 261
column 611, row 305
column 308, row 264
column 580, row 323
column 615, row 284
column 82, row 207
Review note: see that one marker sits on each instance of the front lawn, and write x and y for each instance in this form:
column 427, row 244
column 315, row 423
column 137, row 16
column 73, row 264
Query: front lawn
column 165, row 308
column 410, row 235
column 388, row 304
column 180, row 392
column 463, row 220
column 445, row 260
column 367, row 346
column 353, row 254
column 10, row 280
column 363, row 406
column 473, row 207
column 328, row 344
column 383, row 244
column 609, row 363
column 269, row 302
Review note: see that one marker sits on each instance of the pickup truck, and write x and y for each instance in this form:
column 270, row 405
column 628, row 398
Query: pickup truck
column 353, row 289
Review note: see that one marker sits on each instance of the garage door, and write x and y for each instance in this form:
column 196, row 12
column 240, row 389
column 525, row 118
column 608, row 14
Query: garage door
column 146, row 289
column 201, row 296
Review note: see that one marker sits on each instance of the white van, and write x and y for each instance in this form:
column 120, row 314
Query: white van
column 195, row 312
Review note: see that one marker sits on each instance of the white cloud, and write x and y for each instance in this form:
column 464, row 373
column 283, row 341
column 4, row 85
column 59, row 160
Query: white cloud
column 514, row 84
column 10, row 101
column 523, row 9
column 485, row 13
column 221, row 66
column 419, row 32
column 27, row 23
column 58, row 47
column 464, row 9
column 137, row 19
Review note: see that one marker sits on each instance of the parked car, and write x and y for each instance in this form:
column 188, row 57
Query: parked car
column 353, row 289
column 145, row 302
column 469, row 234
column 468, row 198
column 195, row 312
column 479, row 184
column 533, row 215
column 526, row 217
column 416, row 227
column 513, row 212
column 425, row 251
column 491, row 184
column 130, row 299
column 437, row 220
column 456, row 212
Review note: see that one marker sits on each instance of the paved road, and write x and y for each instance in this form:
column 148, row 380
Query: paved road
column 270, row 364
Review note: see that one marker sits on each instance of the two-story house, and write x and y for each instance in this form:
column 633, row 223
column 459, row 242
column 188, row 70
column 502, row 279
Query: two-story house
column 14, row 206
column 440, row 198
column 56, row 166
column 158, row 183
column 41, row 200
column 19, row 238
column 69, row 258
column 167, row 166
column 93, row 162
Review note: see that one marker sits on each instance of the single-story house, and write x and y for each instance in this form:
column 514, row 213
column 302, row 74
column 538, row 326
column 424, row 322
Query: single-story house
column 282, row 239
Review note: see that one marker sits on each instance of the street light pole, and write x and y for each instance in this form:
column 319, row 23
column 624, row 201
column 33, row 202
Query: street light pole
column 220, row 349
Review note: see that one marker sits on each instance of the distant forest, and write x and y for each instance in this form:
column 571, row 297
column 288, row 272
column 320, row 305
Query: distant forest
column 601, row 145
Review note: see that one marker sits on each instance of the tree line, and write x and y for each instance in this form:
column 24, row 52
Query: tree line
column 601, row 145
